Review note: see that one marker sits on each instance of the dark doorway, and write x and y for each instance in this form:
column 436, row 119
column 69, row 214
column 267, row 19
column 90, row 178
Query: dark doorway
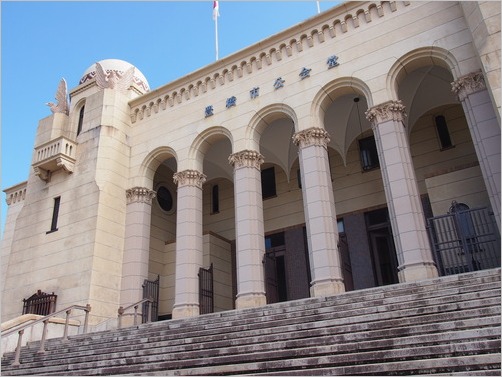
column 383, row 252
column 275, row 275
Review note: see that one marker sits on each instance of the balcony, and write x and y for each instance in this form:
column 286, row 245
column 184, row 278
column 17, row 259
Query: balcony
column 54, row 155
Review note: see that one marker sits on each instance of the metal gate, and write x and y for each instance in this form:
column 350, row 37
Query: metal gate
column 151, row 290
column 465, row 240
column 206, row 292
column 40, row 303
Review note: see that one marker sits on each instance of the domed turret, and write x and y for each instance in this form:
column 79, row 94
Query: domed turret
column 118, row 68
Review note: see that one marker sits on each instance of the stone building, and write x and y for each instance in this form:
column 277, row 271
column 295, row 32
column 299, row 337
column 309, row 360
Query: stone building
column 328, row 157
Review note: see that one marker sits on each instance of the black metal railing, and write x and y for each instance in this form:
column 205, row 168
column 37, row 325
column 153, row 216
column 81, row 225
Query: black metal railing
column 40, row 303
column 206, row 290
column 464, row 241
column 151, row 291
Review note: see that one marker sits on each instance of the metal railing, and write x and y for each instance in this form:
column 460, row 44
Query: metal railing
column 45, row 320
column 40, row 303
column 122, row 312
column 464, row 241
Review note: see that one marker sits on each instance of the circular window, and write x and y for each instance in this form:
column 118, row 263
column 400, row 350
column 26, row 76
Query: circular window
column 164, row 198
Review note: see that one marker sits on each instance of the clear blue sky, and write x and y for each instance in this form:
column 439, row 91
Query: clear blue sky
column 42, row 42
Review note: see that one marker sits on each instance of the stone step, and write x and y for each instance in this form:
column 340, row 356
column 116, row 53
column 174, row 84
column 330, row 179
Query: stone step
column 378, row 319
column 345, row 351
column 295, row 340
column 451, row 325
column 318, row 314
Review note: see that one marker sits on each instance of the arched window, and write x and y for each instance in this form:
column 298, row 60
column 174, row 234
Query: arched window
column 443, row 133
column 80, row 120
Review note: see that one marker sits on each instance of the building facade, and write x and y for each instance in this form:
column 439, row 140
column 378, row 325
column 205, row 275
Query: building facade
column 307, row 165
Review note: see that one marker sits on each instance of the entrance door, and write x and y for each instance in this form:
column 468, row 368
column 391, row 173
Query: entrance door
column 271, row 278
column 275, row 275
column 384, row 256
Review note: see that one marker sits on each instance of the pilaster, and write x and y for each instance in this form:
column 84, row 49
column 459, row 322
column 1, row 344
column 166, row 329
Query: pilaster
column 414, row 256
column 189, row 242
column 320, row 214
column 249, row 229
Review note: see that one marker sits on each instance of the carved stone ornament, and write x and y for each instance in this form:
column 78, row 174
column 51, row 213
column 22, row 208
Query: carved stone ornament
column 62, row 105
column 43, row 174
column 113, row 79
column 390, row 110
column 311, row 136
column 246, row 159
column 468, row 84
column 189, row 178
column 140, row 195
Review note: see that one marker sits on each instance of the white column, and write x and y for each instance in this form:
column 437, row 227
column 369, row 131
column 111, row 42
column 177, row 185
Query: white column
column 485, row 132
column 320, row 215
column 137, row 244
column 405, row 208
column 189, row 243
column 249, row 229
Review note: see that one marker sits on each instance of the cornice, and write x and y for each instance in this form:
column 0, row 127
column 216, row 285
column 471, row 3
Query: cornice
column 16, row 193
column 298, row 39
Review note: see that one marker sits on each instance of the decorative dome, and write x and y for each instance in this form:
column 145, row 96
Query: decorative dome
column 119, row 67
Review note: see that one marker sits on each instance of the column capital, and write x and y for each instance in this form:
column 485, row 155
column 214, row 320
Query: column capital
column 390, row 110
column 246, row 158
column 311, row 136
column 140, row 195
column 468, row 84
column 189, row 178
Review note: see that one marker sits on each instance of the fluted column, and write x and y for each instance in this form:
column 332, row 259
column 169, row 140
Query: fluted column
column 189, row 243
column 137, row 244
column 320, row 215
column 249, row 229
column 485, row 132
column 414, row 255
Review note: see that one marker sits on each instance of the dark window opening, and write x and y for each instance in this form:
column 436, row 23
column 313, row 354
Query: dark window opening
column 55, row 215
column 215, row 199
column 268, row 183
column 368, row 152
column 80, row 120
column 274, row 240
column 443, row 133
column 164, row 198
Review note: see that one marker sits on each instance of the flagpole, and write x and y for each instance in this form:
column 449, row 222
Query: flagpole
column 216, row 35
column 318, row 8
column 216, row 14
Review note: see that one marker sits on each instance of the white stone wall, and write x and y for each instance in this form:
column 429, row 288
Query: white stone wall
column 382, row 50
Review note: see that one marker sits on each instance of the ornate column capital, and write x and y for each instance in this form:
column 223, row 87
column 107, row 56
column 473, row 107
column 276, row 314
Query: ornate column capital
column 189, row 178
column 311, row 136
column 390, row 110
column 246, row 158
column 140, row 195
column 468, row 84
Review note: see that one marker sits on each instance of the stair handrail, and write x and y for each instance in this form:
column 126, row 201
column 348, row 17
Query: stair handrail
column 45, row 320
column 121, row 311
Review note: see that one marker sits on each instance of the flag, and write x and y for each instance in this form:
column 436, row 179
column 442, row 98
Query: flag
column 216, row 10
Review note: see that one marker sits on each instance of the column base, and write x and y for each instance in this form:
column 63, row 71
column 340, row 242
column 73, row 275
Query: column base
column 324, row 288
column 185, row 311
column 250, row 300
column 417, row 272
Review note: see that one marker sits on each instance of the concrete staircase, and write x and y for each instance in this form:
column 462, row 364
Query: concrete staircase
column 448, row 326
